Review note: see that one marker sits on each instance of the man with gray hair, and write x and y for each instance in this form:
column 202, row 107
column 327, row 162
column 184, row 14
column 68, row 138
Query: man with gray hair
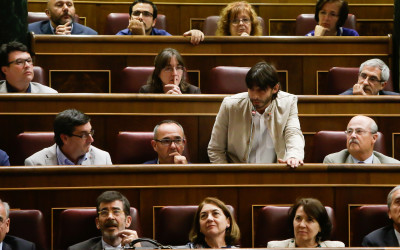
column 362, row 133
column 388, row 236
column 373, row 76
column 169, row 142
column 8, row 242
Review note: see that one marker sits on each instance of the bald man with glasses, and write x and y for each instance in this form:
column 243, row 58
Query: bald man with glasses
column 169, row 142
column 362, row 133
column 73, row 135
column 17, row 69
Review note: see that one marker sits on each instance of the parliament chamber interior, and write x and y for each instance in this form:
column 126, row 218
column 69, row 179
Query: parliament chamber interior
column 101, row 76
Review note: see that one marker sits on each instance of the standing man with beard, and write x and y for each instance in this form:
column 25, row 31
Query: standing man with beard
column 362, row 133
column 61, row 15
column 113, row 220
column 258, row 126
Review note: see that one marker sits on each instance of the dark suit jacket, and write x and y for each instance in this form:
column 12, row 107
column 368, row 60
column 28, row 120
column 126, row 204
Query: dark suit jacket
column 382, row 237
column 43, row 27
column 151, row 161
column 95, row 244
column 382, row 92
column 15, row 243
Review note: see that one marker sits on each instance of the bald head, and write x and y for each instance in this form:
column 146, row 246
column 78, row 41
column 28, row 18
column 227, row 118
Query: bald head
column 60, row 12
column 361, row 137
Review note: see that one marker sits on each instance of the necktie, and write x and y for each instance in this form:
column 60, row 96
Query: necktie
column 360, row 162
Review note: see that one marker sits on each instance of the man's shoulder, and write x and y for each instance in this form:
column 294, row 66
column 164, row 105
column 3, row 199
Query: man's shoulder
column 347, row 92
column 379, row 236
column 385, row 92
column 95, row 150
column 36, row 27
column 124, row 32
column 40, row 88
column 3, row 86
column 87, row 244
column 154, row 161
column 80, row 29
column 384, row 158
column 42, row 155
column 17, row 243
column 159, row 32
column 338, row 157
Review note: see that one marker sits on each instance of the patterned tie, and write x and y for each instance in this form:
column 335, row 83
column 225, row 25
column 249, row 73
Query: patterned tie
column 360, row 162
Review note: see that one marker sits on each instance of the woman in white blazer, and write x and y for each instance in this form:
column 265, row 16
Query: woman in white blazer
column 311, row 226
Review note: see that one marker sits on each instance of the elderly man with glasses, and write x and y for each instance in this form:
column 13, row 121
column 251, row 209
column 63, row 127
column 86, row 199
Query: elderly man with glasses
column 169, row 142
column 362, row 133
column 372, row 78
column 17, row 69
column 73, row 135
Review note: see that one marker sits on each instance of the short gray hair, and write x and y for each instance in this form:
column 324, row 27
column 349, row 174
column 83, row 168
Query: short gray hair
column 6, row 207
column 155, row 131
column 377, row 63
column 374, row 127
column 389, row 197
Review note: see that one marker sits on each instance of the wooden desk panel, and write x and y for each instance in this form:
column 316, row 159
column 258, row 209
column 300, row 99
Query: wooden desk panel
column 112, row 113
column 301, row 57
column 242, row 186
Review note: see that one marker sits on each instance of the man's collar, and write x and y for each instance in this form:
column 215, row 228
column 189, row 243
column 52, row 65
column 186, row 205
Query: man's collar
column 105, row 245
column 369, row 160
column 63, row 160
column 11, row 89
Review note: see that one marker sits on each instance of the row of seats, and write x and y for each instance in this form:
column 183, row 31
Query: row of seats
column 135, row 147
column 172, row 224
column 119, row 21
column 223, row 79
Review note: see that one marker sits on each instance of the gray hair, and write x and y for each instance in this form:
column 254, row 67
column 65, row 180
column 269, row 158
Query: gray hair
column 155, row 131
column 389, row 197
column 377, row 63
column 374, row 127
column 6, row 207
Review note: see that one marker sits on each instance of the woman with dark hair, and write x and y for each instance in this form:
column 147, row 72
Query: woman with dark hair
column 213, row 226
column 168, row 76
column 331, row 16
column 239, row 19
column 310, row 226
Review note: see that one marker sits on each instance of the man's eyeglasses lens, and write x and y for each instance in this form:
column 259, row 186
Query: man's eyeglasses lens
column 167, row 142
column 357, row 131
column 85, row 135
column 371, row 79
column 21, row 62
column 115, row 212
column 144, row 13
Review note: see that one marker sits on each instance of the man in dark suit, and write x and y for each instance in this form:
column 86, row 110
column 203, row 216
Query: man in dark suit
column 8, row 242
column 61, row 14
column 388, row 236
column 169, row 142
column 372, row 78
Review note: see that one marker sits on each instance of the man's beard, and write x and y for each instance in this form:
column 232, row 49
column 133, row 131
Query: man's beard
column 60, row 20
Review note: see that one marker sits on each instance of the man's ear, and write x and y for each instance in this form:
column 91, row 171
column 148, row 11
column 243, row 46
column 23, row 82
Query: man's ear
column 154, row 22
column 47, row 12
column 374, row 137
column 64, row 138
column 128, row 221
column 154, row 145
column 383, row 85
column 97, row 222
column 4, row 69
column 275, row 89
